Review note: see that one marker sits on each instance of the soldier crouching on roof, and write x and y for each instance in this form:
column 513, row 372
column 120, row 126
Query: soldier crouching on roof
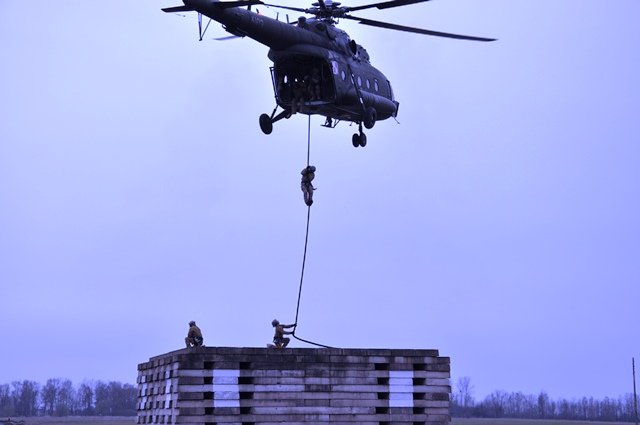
column 194, row 337
column 279, row 340
column 308, row 174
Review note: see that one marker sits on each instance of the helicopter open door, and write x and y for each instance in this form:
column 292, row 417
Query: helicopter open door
column 303, row 78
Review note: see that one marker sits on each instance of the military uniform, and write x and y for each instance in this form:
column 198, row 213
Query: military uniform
column 308, row 174
column 298, row 89
column 194, row 336
column 314, row 85
column 279, row 339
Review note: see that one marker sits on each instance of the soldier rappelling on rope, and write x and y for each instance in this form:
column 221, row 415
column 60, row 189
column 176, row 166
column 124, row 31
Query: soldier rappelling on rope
column 308, row 174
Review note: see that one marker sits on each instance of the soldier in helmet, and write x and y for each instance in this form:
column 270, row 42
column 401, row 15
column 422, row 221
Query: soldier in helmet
column 279, row 340
column 298, row 88
column 308, row 174
column 314, row 85
column 194, row 336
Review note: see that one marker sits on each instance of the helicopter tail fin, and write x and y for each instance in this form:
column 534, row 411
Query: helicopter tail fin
column 178, row 9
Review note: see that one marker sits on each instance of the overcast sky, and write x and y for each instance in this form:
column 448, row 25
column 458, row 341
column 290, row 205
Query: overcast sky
column 497, row 222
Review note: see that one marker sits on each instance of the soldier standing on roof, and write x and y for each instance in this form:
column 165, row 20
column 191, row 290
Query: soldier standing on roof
column 308, row 174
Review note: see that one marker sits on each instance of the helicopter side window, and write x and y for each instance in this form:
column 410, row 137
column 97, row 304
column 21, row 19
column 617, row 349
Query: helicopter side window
column 343, row 75
column 359, row 81
column 368, row 84
column 375, row 86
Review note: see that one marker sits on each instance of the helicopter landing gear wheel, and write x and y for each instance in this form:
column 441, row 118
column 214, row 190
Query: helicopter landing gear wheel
column 359, row 139
column 266, row 125
column 370, row 116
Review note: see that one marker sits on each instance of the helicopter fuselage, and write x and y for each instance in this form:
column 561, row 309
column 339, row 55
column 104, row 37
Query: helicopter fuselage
column 317, row 68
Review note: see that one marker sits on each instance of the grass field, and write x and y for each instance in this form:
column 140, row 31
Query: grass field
column 128, row 420
column 75, row 420
column 503, row 421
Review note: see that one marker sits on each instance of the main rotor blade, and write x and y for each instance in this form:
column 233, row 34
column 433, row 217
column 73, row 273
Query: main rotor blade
column 238, row 3
column 415, row 30
column 385, row 4
column 297, row 9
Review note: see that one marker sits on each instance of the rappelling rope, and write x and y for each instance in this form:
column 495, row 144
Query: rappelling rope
column 308, row 139
column 306, row 240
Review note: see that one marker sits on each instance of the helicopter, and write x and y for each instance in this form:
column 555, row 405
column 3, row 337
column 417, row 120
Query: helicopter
column 317, row 68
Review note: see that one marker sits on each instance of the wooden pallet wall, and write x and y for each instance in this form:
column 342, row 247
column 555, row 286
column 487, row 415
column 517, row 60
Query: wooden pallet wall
column 251, row 386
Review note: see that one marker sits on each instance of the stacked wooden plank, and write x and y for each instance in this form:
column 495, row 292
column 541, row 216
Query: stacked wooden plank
column 250, row 386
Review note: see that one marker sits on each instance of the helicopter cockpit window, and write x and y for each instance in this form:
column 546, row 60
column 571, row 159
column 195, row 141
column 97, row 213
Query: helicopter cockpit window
column 345, row 43
column 353, row 46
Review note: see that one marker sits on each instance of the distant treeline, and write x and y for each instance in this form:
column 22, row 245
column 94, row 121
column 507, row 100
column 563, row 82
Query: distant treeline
column 59, row 397
column 500, row 404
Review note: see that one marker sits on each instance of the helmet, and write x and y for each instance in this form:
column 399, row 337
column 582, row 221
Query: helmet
column 275, row 322
column 312, row 168
column 191, row 323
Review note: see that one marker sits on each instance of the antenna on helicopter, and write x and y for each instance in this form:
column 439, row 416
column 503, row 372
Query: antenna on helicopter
column 229, row 37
